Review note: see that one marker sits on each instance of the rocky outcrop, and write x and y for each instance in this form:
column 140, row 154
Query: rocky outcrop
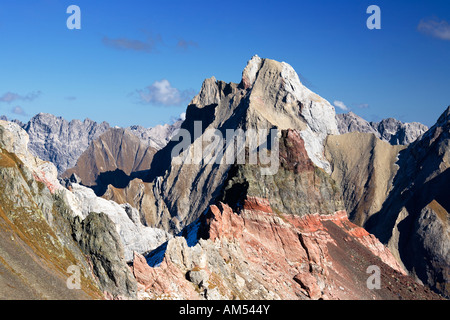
column 113, row 158
column 139, row 195
column 270, row 95
column 391, row 130
column 298, row 187
column 134, row 235
column 258, row 254
column 99, row 240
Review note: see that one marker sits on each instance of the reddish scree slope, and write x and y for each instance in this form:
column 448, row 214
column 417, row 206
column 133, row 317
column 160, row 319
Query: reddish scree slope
column 310, row 257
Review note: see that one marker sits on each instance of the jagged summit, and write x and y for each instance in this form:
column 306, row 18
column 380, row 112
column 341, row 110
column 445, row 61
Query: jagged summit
column 391, row 130
column 55, row 139
column 273, row 96
column 226, row 230
column 269, row 96
column 250, row 71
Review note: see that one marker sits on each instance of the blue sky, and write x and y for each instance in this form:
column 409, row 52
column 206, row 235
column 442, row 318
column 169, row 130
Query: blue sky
column 140, row 62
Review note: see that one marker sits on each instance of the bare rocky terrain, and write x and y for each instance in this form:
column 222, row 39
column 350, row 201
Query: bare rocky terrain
column 62, row 142
column 391, row 130
column 338, row 198
column 397, row 193
column 112, row 159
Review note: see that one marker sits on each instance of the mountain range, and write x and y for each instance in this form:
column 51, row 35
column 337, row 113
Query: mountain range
column 391, row 130
column 339, row 197
column 62, row 142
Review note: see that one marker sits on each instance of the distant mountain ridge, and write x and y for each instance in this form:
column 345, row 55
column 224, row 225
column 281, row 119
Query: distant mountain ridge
column 62, row 142
column 391, row 130
column 112, row 159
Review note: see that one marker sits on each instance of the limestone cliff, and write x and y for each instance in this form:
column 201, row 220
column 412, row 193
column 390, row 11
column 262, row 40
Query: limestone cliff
column 270, row 95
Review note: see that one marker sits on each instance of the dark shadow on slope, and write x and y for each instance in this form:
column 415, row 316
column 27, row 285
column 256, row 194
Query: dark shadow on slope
column 156, row 257
column 162, row 159
column 235, row 189
column 382, row 223
column 411, row 248
column 117, row 178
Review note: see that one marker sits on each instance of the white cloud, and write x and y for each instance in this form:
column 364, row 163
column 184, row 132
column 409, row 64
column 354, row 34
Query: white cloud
column 10, row 97
column 340, row 105
column 19, row 111
column 436, row 28
column 163, row 94
column 150, row 44
column 184, row 44
column 363, row 105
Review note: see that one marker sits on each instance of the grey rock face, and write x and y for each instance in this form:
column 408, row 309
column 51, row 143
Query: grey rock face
column 156, row 137
column 61, row 142
column 391, row 130
column 431, row 241
column 133, row 234
column 98, row 238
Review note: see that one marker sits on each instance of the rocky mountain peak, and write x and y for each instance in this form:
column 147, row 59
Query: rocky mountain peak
column 269, row 96
column 391, row 130
column 112, row 158
column 278, row 95
column 444, row 119
column 250, row 71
